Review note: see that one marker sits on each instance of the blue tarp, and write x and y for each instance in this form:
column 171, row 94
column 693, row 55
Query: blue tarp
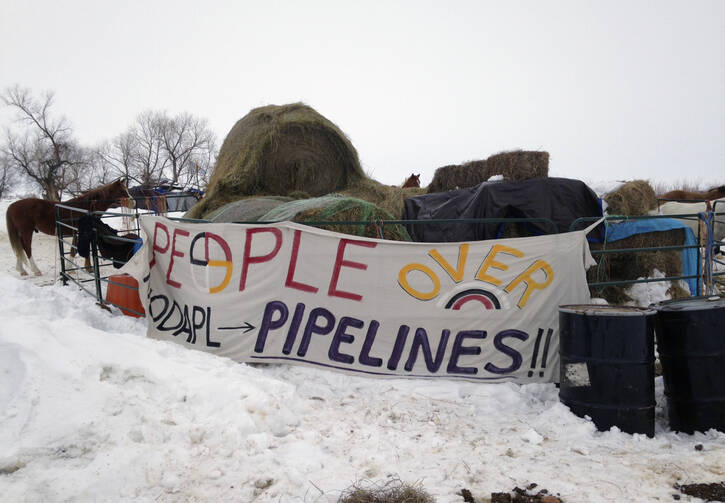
column 628, row 228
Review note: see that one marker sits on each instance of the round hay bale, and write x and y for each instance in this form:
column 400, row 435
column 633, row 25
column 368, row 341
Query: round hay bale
column 518, row 165
column 246, row 210
column 278, row 150
column 631, row 199
column 338, row 208
column 459, row 176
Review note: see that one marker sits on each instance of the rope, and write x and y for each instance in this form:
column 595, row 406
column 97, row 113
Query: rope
column 707, row 217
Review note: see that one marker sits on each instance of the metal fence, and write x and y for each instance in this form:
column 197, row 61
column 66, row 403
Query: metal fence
column 707, row 274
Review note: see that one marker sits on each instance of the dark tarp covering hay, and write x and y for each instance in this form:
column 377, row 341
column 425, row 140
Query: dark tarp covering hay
column 514, row 166
column 277, row 150
column 561, row 200
column 632, row 199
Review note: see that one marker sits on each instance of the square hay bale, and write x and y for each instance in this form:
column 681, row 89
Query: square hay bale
column 458, row 176
column 518, row 165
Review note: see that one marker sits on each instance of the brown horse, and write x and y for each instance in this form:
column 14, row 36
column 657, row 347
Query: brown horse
column 683, row 195
column 412, row 181
column 30, row 215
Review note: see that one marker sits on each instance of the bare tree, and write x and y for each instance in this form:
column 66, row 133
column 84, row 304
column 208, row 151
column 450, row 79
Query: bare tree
column 187, row 144
column 7, row 175
column 45, row 150
column 118, row 155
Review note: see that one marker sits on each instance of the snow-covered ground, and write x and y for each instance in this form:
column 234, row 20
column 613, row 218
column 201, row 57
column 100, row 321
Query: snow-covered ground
column 92, row 410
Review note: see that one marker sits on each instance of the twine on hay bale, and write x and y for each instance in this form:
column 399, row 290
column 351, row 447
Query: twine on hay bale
column 279, row 150
column 515, row 165
column 632, row 199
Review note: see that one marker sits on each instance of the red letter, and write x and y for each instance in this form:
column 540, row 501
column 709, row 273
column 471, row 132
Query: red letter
column 290, row 282
column 248, row 259
column 175, row 253
column 156, row 246
column 339, row 262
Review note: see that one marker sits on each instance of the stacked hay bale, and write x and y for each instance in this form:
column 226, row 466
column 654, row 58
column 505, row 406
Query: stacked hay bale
column 278, row 150
column 515, row 165
column 636, row 198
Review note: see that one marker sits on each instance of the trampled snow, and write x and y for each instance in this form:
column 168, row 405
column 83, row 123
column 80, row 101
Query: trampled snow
column 92, row 410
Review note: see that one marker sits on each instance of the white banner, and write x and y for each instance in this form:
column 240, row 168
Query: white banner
column 485, row 310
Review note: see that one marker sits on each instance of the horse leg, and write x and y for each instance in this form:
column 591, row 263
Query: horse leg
column 87, row 264
column 27, row 239
column 19, row 262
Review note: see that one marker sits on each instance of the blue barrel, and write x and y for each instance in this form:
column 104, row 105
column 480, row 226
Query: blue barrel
column 691, row 347
column 607, row 365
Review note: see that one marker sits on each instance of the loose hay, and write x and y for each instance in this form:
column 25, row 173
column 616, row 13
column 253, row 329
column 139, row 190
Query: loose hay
column 390, row 199
column 278, row 150
column 632, row 199
column 392, row 491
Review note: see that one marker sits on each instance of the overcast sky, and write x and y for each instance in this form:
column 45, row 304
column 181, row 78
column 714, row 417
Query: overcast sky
column 611, row 89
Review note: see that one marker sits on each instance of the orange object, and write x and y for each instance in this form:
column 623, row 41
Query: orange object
column 123, row 292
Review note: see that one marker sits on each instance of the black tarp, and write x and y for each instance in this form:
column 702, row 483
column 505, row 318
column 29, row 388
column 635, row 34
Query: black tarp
column 108, row 242
column 561, row 200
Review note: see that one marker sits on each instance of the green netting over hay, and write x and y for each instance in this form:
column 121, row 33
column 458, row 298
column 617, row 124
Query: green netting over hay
column 246, row 210
column 338, row 208
column 279, row 150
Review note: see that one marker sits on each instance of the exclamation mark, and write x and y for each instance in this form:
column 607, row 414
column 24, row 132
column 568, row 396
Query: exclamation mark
column 536, row 352
column 545, row 355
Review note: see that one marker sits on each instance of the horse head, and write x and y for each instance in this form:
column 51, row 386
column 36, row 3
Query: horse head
column 412, row 181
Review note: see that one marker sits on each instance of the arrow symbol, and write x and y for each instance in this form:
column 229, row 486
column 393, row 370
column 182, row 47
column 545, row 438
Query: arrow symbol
column 244, row 328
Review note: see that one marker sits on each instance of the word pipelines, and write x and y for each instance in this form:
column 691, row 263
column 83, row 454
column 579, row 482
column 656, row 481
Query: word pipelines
column 344, row 347
column 168, row 315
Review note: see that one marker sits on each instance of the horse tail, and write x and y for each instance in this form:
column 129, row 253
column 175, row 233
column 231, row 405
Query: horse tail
column 16, row 242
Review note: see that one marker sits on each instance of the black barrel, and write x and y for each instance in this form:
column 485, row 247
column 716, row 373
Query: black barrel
column 607, row 365
column 691, row 346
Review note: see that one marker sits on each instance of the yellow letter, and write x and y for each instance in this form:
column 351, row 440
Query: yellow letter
column 531, row 285
column 403, row 281
column 227, row 274
column 490, row 262
column 457, row 273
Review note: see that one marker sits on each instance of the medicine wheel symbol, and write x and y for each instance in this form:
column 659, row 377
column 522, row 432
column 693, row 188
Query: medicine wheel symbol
column 486, row 298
